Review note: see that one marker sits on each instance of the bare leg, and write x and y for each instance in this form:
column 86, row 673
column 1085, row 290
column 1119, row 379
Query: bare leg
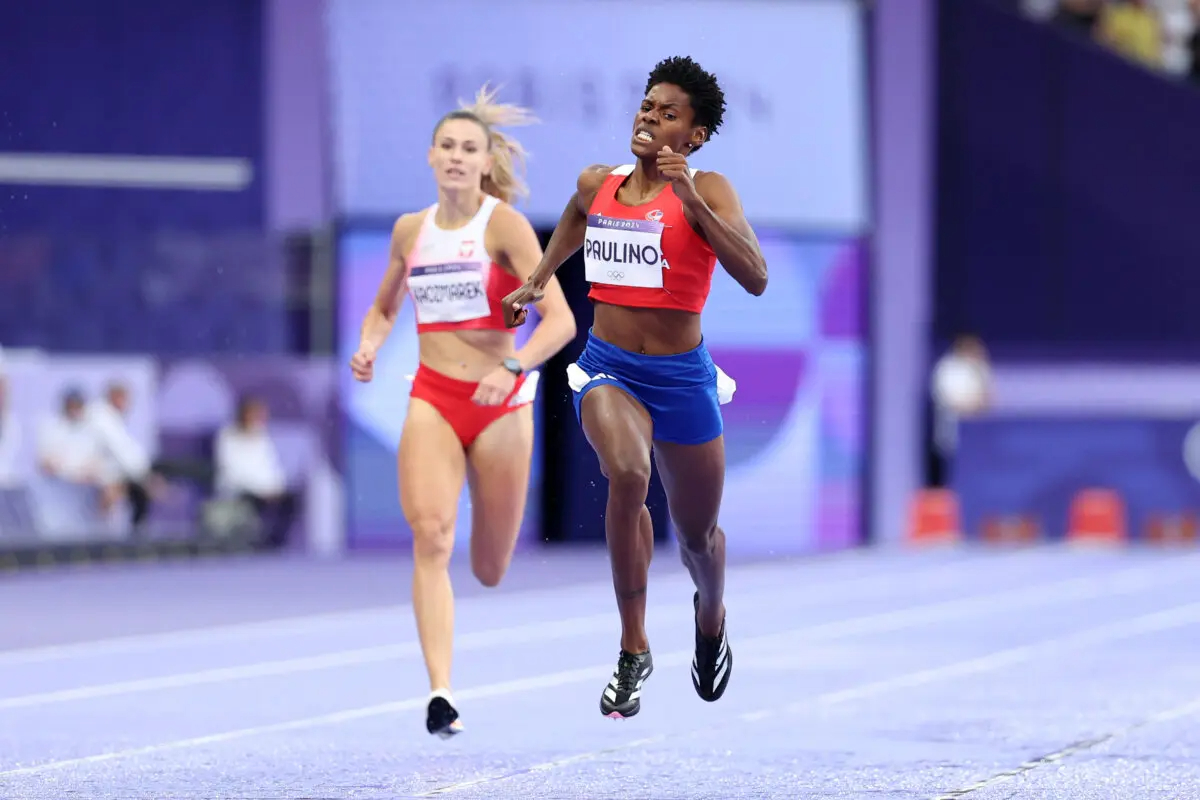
column 498, row 464
column 619, row 430
column 432, row 469
column 694, row 479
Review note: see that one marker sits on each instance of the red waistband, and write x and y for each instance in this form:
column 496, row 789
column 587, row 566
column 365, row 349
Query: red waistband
column 444, row 384
column 492, row 322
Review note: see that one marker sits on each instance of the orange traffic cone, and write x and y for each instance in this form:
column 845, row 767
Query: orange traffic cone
column 934, row 517
column 1096, row 516
column 1169, row 529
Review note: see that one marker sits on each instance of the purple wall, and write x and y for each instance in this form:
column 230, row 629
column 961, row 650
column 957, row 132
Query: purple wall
column 131, row 78
column 231, row 78
column 296, row 111
column 902, row 73
column 117, row 258
column 1067, row 194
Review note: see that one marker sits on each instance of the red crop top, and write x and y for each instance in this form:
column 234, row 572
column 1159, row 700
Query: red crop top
column 645, row 256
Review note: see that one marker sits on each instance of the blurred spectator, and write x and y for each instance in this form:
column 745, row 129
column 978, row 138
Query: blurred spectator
column 126, row 460
column 962, row 387
column 69, row 450
column 248, row 468
column 10, row 434
column 1132, row 28
column 1159, row 34
column 1176, row 22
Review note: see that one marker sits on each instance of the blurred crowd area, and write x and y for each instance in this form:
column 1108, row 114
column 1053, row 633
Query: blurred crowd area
column 1163, row 35
column 134, row 397
column 79, row 464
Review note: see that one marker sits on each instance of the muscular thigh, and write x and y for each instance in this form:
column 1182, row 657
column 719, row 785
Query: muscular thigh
column 618, row 428
column 432, row 466
column 498, row 464
column 693, row 477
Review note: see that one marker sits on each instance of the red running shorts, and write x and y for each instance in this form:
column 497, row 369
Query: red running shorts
column 452, row 399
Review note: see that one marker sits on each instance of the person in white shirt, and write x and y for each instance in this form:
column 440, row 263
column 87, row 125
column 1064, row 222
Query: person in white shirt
column 70, row 451
column 10, row 434
column 248, row 467
column 962, row 387
column 125, row 457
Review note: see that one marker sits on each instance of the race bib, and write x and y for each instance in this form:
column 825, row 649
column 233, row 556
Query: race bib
column 448, row 292
column 624, row 252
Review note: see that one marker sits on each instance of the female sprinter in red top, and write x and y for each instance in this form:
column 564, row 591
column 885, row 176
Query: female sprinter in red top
column 471, row 406
column 652, row 233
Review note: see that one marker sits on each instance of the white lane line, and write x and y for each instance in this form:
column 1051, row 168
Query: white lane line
column 522, row 634
column 126, row 171
column 140, row 642
column 1188, row 709
column 1168, row 619
column 300, row 625
column 816, row 594
column 1130, row 581
column 535, row 683
column 1156, row 622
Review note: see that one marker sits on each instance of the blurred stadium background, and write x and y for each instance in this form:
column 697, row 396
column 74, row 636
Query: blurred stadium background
column 977, row 216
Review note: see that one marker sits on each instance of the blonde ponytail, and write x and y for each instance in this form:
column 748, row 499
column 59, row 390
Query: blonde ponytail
column 506, row 180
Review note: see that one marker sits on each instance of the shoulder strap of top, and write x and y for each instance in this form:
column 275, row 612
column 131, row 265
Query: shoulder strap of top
column 483, row 216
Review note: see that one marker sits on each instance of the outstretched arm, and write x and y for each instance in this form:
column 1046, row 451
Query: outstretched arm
column 572, row 226
column 518, row 246
column 718, row 213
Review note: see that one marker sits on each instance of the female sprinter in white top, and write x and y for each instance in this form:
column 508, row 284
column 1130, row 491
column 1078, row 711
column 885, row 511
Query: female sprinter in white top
column 471, row 409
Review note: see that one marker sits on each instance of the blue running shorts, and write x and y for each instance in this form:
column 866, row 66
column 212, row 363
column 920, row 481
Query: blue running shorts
column 682, row 392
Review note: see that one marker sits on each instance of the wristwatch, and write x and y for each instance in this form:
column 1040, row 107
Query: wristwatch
column 513, row 366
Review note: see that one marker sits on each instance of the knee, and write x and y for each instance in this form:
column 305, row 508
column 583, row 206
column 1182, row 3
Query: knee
column 491, row 550
column 488, row 572
column 701, row 540
column 629, row 480
column 433, row 540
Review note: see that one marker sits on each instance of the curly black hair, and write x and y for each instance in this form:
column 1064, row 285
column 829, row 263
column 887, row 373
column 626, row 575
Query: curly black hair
column 708, row 100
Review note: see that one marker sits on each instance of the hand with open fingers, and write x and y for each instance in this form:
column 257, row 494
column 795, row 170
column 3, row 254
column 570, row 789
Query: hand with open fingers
column 495, row 387
column 515, row 312
column 362, row 364
column 674, row 167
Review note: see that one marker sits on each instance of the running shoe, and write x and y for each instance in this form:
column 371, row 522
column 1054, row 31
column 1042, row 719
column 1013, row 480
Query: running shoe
column 622, row 696
column 441, row 718
column 712, row 662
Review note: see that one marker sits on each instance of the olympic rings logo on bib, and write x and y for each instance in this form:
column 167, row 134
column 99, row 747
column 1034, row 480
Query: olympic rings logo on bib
column 614, row 275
